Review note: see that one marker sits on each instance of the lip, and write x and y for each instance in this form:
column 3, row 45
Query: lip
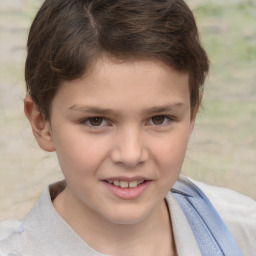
column 127, row 193
column 128, row 179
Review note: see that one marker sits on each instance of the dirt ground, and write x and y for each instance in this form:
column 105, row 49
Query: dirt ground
column 222, row 149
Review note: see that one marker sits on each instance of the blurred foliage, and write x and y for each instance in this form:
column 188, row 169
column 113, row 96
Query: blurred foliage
column 223, row 150
column 228, row 29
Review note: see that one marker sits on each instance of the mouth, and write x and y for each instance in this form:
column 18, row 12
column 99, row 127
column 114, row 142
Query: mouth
column 127, row 188
column 126, row 184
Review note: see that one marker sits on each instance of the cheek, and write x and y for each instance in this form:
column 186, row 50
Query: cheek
column 170, row 151
column 80, row 156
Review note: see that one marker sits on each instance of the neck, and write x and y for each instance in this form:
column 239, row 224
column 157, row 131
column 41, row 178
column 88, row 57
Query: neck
column 110, row 238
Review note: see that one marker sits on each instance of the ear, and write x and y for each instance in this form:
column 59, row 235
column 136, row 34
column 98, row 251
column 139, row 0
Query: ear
column 41, row 128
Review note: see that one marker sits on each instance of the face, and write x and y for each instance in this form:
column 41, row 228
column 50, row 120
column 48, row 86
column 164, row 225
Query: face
column 120, row 134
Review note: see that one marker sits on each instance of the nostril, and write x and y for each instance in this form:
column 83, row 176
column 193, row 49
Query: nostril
column 129, row 158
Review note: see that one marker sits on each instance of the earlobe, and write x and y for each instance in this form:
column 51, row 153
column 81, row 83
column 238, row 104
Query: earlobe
column 41, row 128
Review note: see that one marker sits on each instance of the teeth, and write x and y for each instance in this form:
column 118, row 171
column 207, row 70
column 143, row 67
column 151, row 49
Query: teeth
column 133, row 184
column 125, row 184
column 116, row 182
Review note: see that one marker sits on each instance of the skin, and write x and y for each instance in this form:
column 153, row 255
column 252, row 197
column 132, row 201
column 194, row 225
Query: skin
column 142, row 130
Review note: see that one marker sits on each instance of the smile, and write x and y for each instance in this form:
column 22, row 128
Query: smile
column 127, row 188
column 125, row 184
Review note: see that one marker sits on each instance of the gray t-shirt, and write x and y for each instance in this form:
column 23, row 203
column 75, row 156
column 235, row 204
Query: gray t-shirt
column 44, row 232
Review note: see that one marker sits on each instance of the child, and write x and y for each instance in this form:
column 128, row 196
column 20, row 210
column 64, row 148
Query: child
column 114, row 87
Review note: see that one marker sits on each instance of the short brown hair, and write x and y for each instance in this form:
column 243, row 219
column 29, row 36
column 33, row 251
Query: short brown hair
column 67, row 35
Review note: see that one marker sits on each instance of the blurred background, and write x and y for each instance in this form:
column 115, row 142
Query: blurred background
column 222, row 150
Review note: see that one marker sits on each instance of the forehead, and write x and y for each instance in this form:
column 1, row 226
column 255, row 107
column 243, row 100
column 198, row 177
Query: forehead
column 122, row 84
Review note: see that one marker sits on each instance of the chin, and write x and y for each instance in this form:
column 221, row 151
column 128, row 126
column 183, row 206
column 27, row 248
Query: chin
column 128, row 217
column 126, row 221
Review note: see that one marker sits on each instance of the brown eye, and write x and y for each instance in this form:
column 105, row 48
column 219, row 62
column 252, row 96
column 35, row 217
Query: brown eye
column 157, row 120
column 95, row 121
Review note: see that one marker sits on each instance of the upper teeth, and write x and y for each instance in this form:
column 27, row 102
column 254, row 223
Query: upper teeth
column 125, row 184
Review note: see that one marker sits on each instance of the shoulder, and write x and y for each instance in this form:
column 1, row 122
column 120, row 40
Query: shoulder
column 13, row 238
column 227, row 202
column 230, row 203
column 43, row 232
column 18, row 238
column 237, row 211
column 8, row 230
column 27, row 236
column 9, row 227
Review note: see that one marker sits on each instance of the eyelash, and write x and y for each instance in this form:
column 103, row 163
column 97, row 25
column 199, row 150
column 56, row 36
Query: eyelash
column 166, row 121
column 87, row 121
column 103, row 120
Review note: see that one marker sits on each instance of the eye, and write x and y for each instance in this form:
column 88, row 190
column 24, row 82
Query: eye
column 95, row 121
column 159, row 120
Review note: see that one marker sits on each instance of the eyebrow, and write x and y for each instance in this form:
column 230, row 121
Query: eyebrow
column 106, row 111
column 164, row 108
column 91, row 109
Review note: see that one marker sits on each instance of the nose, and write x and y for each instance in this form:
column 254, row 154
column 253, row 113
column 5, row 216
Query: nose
column 129, row 148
